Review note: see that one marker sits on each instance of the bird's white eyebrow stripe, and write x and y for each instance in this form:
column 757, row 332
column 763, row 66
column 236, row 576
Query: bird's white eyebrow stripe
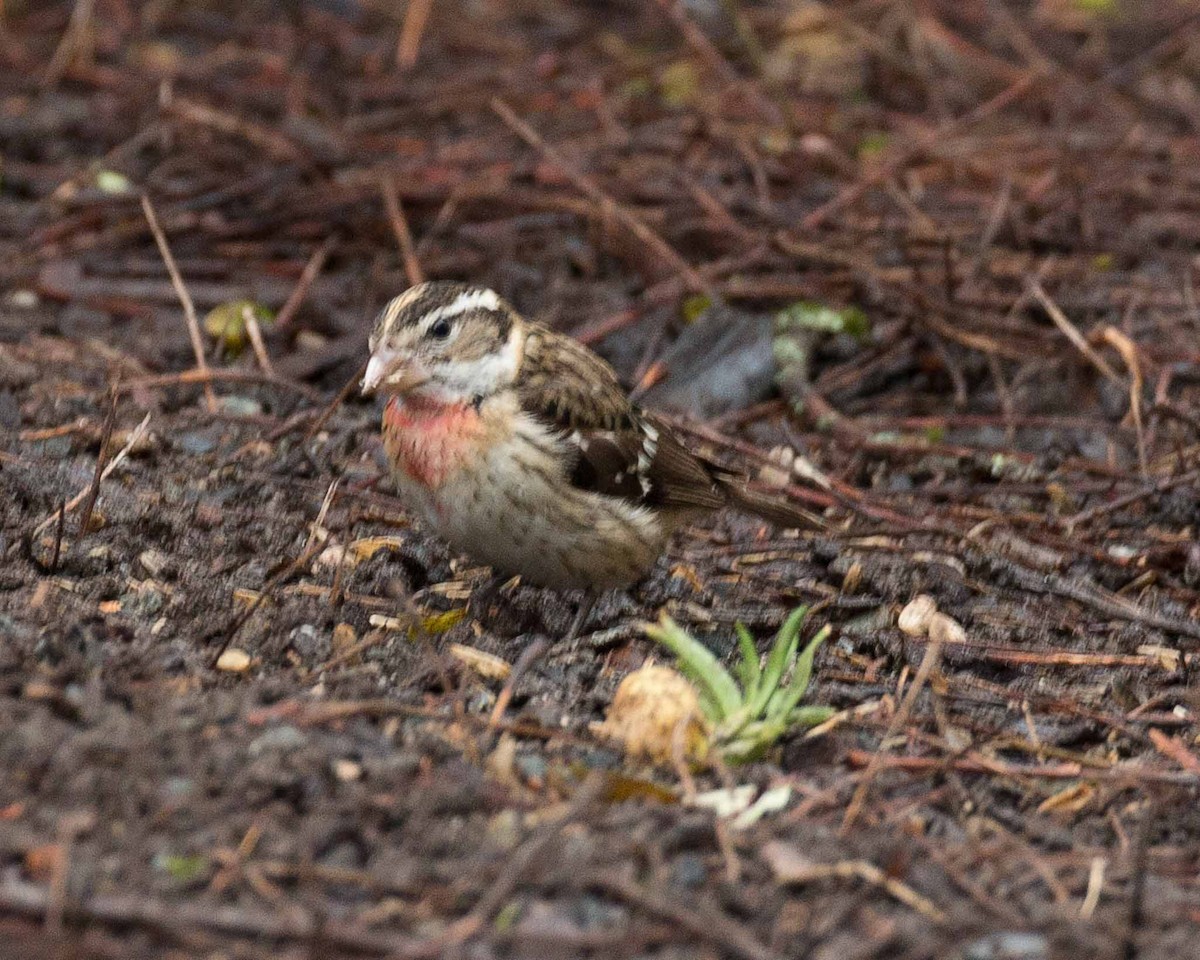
column 468, row 300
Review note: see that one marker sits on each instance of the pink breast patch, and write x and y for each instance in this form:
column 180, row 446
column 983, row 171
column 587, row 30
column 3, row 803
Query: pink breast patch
column 429, row 442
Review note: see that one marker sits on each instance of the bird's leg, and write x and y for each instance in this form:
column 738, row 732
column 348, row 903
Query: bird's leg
column 586, row 606
column 532, row 653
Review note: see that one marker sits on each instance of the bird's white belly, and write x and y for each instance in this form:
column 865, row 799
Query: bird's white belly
column 513, row 510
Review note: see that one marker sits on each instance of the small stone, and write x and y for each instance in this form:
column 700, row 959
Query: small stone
column 688, row 871
column 199, row 441
column 281, row 739
column 240, row 406
column 234, row 660
column 23, row 299
column 1009, row 946
column 311, row 645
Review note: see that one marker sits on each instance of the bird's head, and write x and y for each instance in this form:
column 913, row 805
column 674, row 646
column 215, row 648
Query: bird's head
column 444, row 343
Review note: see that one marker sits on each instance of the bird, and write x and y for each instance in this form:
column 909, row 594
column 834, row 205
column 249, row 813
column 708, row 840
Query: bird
column 521, row 449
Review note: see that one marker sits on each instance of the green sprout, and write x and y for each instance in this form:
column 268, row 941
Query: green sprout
column 752, row 707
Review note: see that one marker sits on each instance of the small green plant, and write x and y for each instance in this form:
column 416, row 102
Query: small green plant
column 751, row 708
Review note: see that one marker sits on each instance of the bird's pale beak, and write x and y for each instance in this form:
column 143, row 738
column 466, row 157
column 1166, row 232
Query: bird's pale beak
column 392, row 375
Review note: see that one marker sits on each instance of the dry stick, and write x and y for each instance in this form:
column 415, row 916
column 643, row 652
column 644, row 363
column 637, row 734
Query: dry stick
column 336, row 402
column 391, row 200
column 271, row 142
column 85, row 518
column 73, row 41
column 254, row 332
column 1070, row 331
column 136, row 910
column 268, row 588
column 134, row 438
column 709, row 925
column 213, row 376
column 314, row 266
column 415, row 19
column 513, row 874
column 58, row 535
column 1174, row 750
column 608, row 206
column 189, row 308
column 1129, row 354
column 1161, row 486
column 933, row 653
column 311, row 547
column 69, row 828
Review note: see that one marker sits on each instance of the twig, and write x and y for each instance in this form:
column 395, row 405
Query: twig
column 1070, row 331
column 416, row 17
column 513, row 873
column 69, row 828
column 791, row 866
column 1150, row 490
column 271, row 142
column 137, row 910
column 391, row 200
column 316, row 262
column 933, row 653
column 707, row 924
column 134, row 439
column 74, row 41
column 610, row 207
column 189, row 308
column 254, row 332
column 209, row 376
column 331, row 408
column 310, row 550
column 1174, row 750
column 89, row 505
column 1129, row 355
column 58, row 536
column 326, row 503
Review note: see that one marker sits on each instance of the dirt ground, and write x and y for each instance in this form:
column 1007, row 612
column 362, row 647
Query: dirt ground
column 1010, row 192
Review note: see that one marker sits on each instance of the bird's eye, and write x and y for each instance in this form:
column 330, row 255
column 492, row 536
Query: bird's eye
column 440, row 329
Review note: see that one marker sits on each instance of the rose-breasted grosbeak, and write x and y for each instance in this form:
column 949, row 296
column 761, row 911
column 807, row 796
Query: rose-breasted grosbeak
column 520, row 448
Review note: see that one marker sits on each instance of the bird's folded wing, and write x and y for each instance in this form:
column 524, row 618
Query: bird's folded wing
column 617, row 449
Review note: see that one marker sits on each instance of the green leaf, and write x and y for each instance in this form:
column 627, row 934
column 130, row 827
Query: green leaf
column 706, row 668
column 786, row 642
column 810, row 716
column 749, row 670
column 806, row 315
column 694, row 307
column 794, row 692
column 185, row 869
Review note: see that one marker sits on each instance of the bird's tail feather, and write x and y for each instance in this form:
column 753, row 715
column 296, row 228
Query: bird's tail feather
column 772, row 507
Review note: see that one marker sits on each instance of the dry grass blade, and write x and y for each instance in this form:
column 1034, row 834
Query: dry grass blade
column 134, row 439
column 189, row 308
column 391, row 199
